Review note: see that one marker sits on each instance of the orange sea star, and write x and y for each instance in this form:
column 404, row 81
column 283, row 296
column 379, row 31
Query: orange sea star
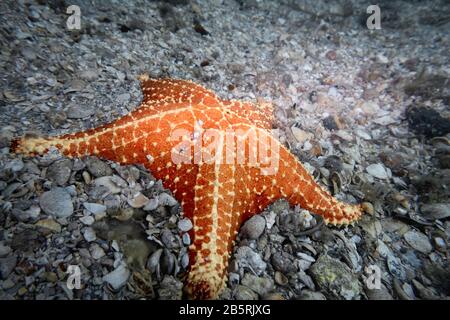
column 216, row 194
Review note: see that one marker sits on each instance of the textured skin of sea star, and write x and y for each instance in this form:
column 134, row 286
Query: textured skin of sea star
column 216, row 195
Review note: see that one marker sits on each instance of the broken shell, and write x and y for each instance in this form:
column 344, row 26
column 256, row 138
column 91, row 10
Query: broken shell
column 281, row 279
column 359, row 179
column 368, row 208
column 436, row 141
column 153, row 262
column 167, row 263
column 336, row 180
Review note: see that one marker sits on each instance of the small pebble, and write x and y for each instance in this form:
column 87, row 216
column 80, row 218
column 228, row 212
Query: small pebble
column 418, row 241
column 49, row 224
column 185, row 225
column 57, row 202
column 89, row 234
column 378, row 171
column 118, row 277
column 87, row 220
column 94, row 208
column 253, row 227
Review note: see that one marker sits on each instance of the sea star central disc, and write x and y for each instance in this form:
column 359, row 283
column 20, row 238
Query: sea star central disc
column 218, row 158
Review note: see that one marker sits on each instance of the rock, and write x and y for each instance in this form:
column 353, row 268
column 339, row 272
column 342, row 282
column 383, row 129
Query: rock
column 440, row 244
column 16, row 165
column 87, row 220
column 306, row 279
column 89, row 75
column 260, row 285
column 96, row 251
column 56, row 202
column 8, row 284
column 89, row 234
column 436, row 210
column 311, row 295
column 418, row 241
column 332, row 123
column 123, row 98
column 97, row 167
column 186, row 239
column 379, row 171
column 384, row 120
column 118, row 277
column 31, row 214
column 382, row 249
column 7, row 265
column 270, row 219
column 138, row 200
column 153, row 261
column 94, row 208
column 363, row 134
column 168, row 239
column 59, row 171
column 280, row 278
column 113, row 183
column 283, row 262
column 49, row 224
column 335, row 277
column 394, row 225
column 77, row 111
column 165, row 199
column 379, row 294
column 112, row 203
column 248, row 258
column 152, row 204
column 167, row 262
column 185, row 225
column 253, row 227
column 344, row 135
column 185, row 261
column 396, row 267
column 244, row 293
column 27, row 240
column 4, row 250
column 306, row 257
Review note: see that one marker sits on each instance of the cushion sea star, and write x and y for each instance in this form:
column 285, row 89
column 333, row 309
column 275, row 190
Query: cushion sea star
column 167, row 133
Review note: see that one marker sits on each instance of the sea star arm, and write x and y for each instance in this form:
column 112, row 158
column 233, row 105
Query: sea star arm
column 294, row 183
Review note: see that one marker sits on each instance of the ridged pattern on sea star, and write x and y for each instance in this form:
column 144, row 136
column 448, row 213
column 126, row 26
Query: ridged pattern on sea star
column 216, row 195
